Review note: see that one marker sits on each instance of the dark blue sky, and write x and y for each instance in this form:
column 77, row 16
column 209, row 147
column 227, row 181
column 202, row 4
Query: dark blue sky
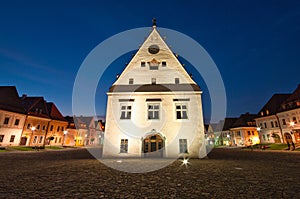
column 254, row 44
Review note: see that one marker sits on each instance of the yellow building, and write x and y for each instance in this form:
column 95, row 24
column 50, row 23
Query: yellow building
column 57, row 130
column 244, row 131
column 37, row 121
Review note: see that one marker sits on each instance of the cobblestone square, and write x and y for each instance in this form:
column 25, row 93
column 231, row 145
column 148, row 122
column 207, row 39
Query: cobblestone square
column 226, row 173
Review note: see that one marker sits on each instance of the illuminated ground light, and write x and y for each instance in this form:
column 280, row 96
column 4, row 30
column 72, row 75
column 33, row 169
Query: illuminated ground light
column 185, row 162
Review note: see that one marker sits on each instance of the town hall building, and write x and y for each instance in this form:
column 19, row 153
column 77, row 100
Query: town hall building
column 154, row 108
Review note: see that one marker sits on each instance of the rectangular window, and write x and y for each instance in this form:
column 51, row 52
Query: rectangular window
column 124, row 146
column 176, row 80
column 248, row 132
column 264, row 137
column 268, row 137
column 143, row 64
column 6, row 120
column 272, row 124
column 38, row 126
column 276, row 123
column 238, row 133
column 34, row 139
column 295, row 120
column 153, row 111
column 125, row 112
column 260, row 125
column 131, row 81
column 183, row 146
column 265, row 124
column 1, row 138
column 163, row 64
column 283, row 122
column 153, row 80
column 28, row 126
column 181, row 111
column 59, row 140
column 62, row 128
column 41, row 139
column 12, row 138
column 44, row 127
column 17, row 121
column 252, row 132
column 58, row 128
column 51, row 128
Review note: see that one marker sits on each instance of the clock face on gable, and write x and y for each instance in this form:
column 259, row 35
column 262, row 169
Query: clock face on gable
column 153, row 49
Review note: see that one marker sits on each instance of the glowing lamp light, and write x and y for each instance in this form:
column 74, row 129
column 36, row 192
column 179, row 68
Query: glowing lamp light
column 292, row 124
column 65, row 132
column 33, row 128
column 185, row 162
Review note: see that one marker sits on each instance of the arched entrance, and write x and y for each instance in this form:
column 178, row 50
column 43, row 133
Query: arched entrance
column 153, row 146
column 276, row 138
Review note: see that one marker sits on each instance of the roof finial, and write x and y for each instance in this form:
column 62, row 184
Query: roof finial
column 153, row 22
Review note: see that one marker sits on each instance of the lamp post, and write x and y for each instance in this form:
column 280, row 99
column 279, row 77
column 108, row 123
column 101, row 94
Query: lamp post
column 292, row 124
column 65, row 134
column 32, row 129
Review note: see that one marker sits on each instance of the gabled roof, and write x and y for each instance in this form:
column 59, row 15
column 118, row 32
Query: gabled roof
column 273, row 105
column 226, row 124
column 9, row 99
column 84, row 122
column 292, row 102
column 54, row 113
column 153, row 60
column 35, row 106
column 245, row 120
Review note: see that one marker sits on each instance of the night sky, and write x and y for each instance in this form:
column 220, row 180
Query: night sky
column 255, row 45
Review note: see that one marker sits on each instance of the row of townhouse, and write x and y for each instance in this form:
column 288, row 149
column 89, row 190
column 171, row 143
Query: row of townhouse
column 241, row 131
column 277, row 122
column 31, row 121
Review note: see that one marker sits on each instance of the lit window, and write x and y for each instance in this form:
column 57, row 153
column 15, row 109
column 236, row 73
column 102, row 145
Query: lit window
column 143, row 64
column 164, row 64
column 6, row 120
column 176, row 80
column 268, row 137
column 153, row 111
column 131, row 81
column 181, row 111
column 125, row 112
column 153, row 80
column 124, row 146
column 183, row 146
column 1, row 138
column 17, row 121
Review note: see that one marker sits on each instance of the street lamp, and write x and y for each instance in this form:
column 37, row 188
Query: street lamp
column 65, row 134
column 292, row 124
column 32, row 129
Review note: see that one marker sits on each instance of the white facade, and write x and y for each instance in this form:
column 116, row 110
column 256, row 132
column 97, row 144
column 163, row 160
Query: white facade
column 11, row 126
column 154, row 109
column 290, row 122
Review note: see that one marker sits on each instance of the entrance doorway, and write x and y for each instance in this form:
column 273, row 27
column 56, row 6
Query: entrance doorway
column 153, row 146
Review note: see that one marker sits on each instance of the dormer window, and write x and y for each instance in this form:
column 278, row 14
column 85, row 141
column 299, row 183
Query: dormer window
column 153, row 64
